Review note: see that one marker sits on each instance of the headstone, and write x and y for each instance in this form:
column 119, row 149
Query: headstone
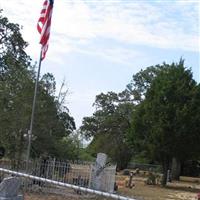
column 168, row 175
column 9, row 189
column 102, row 176
column 101, row 159
column 98, row 171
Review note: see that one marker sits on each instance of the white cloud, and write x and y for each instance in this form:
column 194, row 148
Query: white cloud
column 113, row 54
column 73, row 20
column 81, row 26
column 154, row 25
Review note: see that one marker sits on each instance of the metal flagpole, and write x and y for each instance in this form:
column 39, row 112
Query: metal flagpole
column 43, row 27
column 33, row 113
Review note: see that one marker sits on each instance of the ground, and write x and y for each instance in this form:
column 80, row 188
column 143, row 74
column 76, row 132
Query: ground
column 174, row 191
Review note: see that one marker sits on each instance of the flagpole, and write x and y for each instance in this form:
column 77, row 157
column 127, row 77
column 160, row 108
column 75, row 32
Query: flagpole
column 33, row 113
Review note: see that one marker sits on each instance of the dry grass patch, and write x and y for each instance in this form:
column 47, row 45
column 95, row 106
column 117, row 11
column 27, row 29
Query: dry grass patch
column 174, row 191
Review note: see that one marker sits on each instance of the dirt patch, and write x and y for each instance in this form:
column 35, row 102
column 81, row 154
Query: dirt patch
column 141, row 191
column 174, row 191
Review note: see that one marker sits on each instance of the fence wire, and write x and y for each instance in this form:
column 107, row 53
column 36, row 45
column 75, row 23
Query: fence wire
column 49, row 189
column 76, row 173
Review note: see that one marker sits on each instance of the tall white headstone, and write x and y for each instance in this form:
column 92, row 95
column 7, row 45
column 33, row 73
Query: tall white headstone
column 102, row 176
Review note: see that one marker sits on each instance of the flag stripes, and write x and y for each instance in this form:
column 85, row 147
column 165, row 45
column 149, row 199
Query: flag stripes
column 44, row 25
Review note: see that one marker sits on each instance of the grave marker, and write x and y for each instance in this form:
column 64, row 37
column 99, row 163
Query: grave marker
column 9, row 189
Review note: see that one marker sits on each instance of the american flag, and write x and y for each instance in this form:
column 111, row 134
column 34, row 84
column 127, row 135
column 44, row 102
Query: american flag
column 44, row 25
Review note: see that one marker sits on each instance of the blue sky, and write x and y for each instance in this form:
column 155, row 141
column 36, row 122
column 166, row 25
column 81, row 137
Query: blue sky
column 98, row 45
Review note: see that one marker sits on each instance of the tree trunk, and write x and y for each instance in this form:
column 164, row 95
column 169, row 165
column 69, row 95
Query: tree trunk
column 165, row 166
column 19, row 149
column 176, row 168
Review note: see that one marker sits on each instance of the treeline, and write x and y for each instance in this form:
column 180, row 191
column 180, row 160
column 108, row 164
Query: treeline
column 53, row 124
column 156, row 118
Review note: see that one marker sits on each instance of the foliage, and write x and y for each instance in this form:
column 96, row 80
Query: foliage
column 166, row 123
column 52, row 125
column 141, row 82
column 67, row 148
column 109, row 126
column 15, row 86
column 85, row 155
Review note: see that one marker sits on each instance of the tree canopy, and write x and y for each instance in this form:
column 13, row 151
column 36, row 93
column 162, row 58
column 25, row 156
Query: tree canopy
column 53, row 123
column 109, row 126
column 156, row 115
column 166, row 123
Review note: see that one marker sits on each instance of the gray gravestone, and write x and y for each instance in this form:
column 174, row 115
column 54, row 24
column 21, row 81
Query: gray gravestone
column 102, row 176
column 98, row 171
column 101, row 159
column 9, row 189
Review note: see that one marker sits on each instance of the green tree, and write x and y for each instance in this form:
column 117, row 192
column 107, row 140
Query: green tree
column 109, row 126
column 140, row 83
column 17, row 77
column 52, row 126
column 166, row 123
column 15, row 85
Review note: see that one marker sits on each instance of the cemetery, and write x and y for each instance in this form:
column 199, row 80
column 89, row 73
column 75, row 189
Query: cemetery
column 99, row 176
column 113, row 111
